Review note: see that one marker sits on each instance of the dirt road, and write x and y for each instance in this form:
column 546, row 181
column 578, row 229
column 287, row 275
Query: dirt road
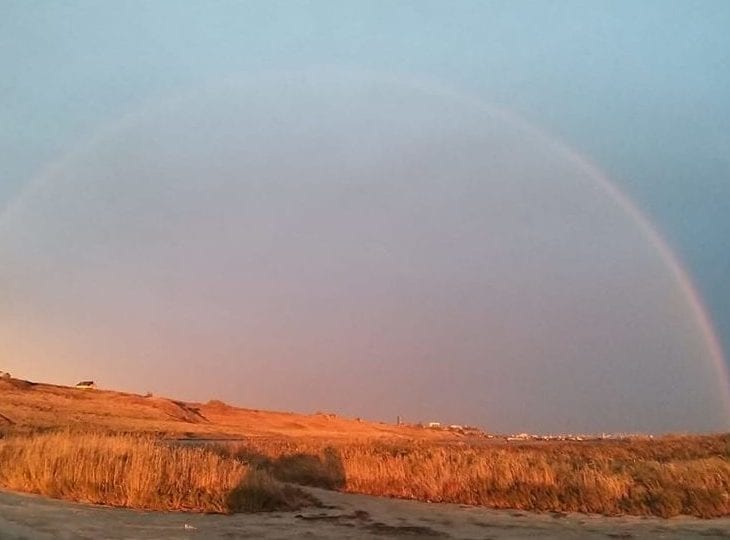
column 345, row 516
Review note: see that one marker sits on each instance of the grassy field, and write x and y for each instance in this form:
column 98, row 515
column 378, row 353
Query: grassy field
column 139, row 472
column 26, row 407
column 663, row 477
column 65, row 442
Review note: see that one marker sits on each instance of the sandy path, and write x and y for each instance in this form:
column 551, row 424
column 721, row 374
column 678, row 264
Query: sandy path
column 346, row 516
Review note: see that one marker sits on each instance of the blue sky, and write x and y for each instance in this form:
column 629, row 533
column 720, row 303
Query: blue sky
column 639, row 88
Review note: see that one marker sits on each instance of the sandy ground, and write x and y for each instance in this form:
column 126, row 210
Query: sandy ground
column 345, row 516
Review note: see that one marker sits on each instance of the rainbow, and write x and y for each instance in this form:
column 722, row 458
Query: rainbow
column 592, row 172
column 647, row 229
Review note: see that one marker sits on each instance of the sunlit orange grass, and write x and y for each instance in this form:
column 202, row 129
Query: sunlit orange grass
column 138, row 472
column 665, row 477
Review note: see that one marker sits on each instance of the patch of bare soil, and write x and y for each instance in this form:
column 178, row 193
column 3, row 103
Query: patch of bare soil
column 342, row 516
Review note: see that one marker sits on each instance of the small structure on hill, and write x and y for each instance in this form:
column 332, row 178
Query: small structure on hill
column 86, row 384
column 4, row 375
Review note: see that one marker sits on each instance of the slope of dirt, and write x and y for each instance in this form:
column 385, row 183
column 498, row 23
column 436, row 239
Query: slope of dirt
column 39, row 406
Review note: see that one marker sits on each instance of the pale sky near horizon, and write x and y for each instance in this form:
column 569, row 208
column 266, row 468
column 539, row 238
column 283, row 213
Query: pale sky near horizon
column 327, row 205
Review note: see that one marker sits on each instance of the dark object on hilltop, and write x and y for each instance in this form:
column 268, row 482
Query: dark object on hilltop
column 86, row 384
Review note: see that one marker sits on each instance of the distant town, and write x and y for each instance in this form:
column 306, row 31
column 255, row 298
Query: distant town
column 517, row 437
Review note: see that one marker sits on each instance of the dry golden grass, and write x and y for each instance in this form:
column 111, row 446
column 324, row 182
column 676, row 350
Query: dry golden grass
column 26, row 407
column 665, row 477
column 138, row 472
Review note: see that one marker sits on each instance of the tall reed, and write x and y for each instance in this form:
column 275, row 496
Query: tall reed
column 665, row 477
column 138, row 472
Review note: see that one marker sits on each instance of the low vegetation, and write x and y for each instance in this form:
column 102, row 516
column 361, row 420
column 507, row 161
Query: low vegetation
column 664, row 477
column 139, row 472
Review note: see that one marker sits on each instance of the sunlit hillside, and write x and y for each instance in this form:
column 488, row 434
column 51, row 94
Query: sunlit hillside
column 26, row 406
column 65, row 442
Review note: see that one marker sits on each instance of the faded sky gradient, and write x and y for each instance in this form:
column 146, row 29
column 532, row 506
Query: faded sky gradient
column 281, row 206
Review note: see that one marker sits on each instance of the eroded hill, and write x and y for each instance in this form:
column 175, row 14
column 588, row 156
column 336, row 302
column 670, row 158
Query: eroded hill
column 26, row 405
